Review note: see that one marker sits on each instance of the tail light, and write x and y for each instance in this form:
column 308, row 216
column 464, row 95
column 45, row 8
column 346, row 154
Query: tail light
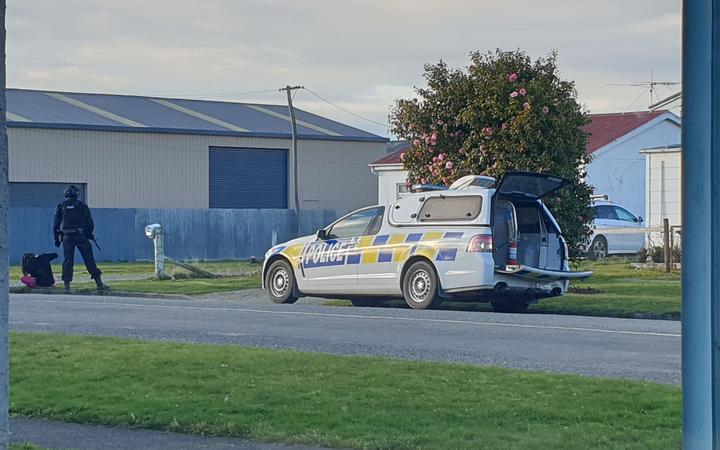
column 480, row 243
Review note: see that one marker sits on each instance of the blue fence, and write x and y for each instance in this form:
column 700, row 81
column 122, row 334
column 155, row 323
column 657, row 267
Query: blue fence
column 207, row 234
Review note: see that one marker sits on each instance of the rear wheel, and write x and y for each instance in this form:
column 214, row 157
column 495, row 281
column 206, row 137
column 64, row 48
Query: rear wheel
column 510, row 306
column 280, row 282
column 598, row 249
column 420, row 286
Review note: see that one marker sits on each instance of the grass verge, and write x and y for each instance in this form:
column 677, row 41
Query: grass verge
column 190, row 286
column 614, row 290
column 336, row 401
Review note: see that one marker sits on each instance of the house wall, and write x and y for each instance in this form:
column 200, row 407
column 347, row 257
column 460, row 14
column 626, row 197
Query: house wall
column 664, row 187
column 388, row 178
column 618, row 169
column 156, row 170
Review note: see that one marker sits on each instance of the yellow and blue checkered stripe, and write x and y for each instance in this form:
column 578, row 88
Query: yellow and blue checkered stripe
column 398, row 247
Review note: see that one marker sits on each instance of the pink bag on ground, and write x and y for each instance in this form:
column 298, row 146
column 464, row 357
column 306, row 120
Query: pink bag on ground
column 29, row 281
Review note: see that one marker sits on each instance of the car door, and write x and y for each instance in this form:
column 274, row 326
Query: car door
column 605, row 218
column 329, row 264
column 632, row 242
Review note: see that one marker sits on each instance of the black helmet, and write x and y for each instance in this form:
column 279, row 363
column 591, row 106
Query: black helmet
column 71, row 191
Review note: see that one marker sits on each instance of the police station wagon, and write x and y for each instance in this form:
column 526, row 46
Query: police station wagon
column 467, row 242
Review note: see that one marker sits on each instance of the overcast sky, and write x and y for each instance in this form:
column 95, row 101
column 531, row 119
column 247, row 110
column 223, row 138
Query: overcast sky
column 359, row 54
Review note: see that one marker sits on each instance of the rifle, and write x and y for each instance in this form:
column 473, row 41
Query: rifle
column 94, row 240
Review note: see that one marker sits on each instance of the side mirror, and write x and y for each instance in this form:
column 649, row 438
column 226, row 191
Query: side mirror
column 640, row 219
column 321, row 233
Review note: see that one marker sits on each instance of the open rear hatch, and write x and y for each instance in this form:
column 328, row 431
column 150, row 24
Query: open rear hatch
column 527, row 187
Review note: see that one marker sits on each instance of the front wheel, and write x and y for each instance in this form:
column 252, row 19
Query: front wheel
column 598, row 249
column 280, row 282
column 420, row 286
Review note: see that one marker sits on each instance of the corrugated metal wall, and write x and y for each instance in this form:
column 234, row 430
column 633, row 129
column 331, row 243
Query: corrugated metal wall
column 153, row 170
column 206, row 234
column 248, row 178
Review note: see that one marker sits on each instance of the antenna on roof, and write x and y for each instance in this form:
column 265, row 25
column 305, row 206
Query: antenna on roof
column 649, row 86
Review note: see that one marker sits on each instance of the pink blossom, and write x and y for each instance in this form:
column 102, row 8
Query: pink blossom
column 416, row 143
column 513, row 77
column 458, row 133
column 545, row 110
column 526, row 105
column 504, row 125
column 557, row 200
column 424, row 135
column 441, row 156
column 445, row 180
column 487, row 131
column 513, row 94
column 449, row 165
column 433, row 140
column 427, row 139
column 402, row 156
column 522, row 91
column 440, row 122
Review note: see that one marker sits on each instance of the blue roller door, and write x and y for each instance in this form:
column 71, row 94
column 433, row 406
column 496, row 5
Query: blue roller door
column 248, row 178
column 43, row 195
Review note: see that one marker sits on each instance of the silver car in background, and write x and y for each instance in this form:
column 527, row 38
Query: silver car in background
column 609, row 215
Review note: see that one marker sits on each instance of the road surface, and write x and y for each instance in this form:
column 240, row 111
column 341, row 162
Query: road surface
column 607, row 347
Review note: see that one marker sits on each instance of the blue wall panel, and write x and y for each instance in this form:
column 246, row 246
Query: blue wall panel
column 202, row 234
column 248, row 177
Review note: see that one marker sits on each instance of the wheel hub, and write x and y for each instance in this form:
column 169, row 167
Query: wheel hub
column 280, row 281
column 420, row 286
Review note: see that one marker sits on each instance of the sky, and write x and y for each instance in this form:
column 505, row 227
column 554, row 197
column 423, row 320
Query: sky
column 359, row 55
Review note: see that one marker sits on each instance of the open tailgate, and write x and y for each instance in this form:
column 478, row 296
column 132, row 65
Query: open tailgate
column 542, row 274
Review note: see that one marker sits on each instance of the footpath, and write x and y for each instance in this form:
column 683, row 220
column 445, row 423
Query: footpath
column 52, row 434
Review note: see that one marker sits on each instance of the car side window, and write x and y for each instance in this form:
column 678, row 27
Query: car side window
column 623, row 214
column 356, row 224
column 605, row 212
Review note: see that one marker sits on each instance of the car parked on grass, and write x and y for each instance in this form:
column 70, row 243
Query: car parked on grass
column 609, row 215
column 466, row 242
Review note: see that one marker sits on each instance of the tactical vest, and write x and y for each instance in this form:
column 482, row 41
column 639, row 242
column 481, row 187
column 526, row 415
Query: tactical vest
column 72, row 215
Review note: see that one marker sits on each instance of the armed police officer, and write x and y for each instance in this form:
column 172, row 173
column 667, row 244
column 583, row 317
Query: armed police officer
column 74, row 227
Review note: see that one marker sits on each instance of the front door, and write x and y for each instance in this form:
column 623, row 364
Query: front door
column 329, row 265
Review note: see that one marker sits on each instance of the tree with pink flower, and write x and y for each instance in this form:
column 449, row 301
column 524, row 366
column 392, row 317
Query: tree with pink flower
column 482, row 120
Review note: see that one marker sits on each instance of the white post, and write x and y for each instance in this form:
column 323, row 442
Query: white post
column 4, row 250
column 159, row 244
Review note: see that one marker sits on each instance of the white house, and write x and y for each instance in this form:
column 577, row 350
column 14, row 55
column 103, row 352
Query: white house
column 663, row 185
column 614, row 140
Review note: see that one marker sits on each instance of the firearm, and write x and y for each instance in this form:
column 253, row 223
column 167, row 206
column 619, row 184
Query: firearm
column 93, row 239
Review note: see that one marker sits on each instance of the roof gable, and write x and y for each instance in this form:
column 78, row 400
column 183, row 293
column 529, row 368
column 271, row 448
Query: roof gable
column 604, row 129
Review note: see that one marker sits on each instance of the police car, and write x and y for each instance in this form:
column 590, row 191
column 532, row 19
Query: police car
column 466, row 242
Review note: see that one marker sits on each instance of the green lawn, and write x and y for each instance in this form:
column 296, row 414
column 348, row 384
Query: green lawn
column 148, row 268
column 614, row 290
column 336, row 401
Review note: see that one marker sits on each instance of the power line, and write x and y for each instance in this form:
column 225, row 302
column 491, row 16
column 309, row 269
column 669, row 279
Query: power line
column 345, row 109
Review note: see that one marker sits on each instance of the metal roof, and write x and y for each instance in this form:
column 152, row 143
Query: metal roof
column 107, row 112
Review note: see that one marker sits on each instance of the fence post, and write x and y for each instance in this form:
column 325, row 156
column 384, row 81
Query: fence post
column 666, row 245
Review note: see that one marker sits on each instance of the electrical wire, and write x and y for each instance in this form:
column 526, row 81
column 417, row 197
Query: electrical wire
column 636, row 100
column 344, row 109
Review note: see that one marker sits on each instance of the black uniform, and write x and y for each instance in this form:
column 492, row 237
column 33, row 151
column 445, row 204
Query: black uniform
column 74, row 225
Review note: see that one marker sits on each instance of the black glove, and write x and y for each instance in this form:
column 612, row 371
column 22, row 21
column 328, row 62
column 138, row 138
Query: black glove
column 57, row 241
column 91, row 237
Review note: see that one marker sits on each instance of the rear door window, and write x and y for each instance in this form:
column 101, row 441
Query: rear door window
column 451, row 208
column 605, row 212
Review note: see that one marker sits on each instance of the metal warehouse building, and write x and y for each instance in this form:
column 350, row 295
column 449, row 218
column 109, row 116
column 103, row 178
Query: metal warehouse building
column 141, row 152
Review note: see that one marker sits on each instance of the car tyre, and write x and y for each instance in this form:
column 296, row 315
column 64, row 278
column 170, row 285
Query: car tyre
column 420, row 286
column 515, row 306
column 280, row 282
column 598, row 249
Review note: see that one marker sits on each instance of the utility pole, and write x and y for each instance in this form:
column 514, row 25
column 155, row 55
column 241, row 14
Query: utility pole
column 4, row 249
column 296, row 200
column 701, row 219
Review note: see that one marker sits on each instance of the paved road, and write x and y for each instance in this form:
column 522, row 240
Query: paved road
column 622, row 348
column 62, row 435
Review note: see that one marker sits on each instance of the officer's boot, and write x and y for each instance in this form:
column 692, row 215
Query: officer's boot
column 67, row 286
column 101, row 287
